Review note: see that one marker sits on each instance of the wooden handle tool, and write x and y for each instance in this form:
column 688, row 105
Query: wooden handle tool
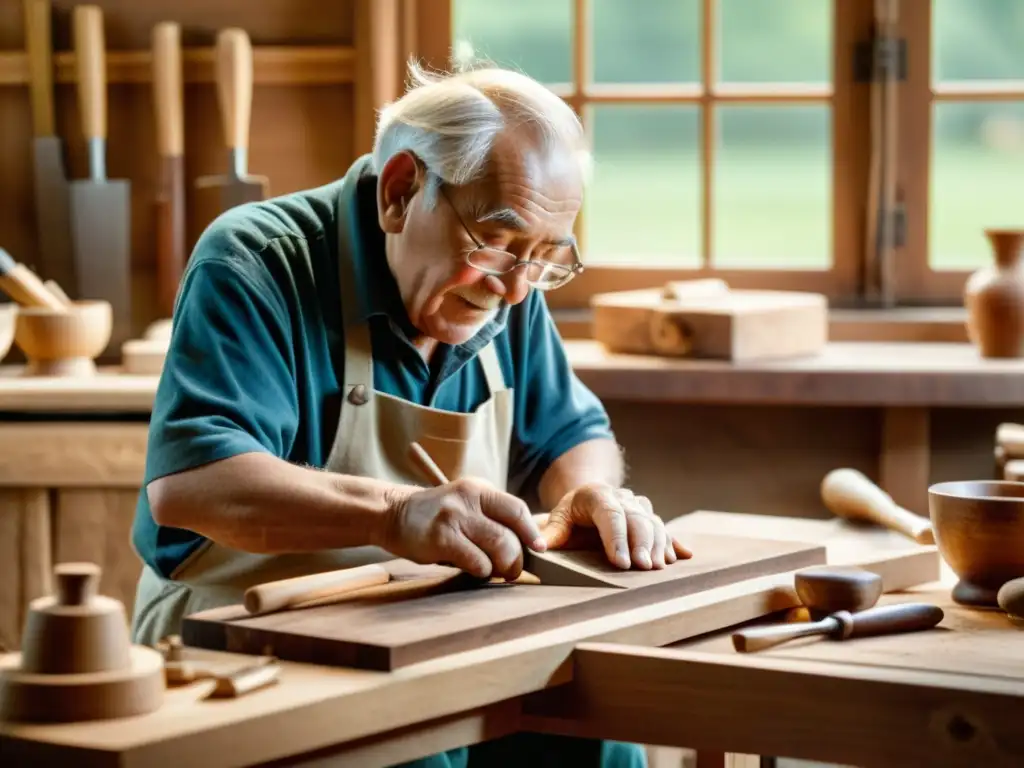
column 830, row 588
column 24, row 286
column 92, row 75
column 234, row 88
column 315, row 589
column 851, row 495
column 843, row 625
column 168, row 102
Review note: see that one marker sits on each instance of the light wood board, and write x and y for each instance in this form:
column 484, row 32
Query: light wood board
column 384, row 632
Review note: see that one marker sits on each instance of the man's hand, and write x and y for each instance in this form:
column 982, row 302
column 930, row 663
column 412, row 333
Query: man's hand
column 467, row 523
column 630, row 532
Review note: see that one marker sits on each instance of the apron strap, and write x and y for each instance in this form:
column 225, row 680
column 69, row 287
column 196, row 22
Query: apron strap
column 492, row 368
column 358, row 347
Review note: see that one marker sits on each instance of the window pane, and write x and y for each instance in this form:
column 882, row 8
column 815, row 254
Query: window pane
column 775, row 42
column 532, row 36
column 977, row 179
column 773, row 188
column 643, row 205
column 978, row 39
column 658, row 44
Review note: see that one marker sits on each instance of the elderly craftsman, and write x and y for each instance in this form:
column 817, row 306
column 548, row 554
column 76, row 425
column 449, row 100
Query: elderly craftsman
column 319, row 334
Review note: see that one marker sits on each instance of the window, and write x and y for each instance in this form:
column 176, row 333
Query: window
column 961, row 161
column 743, row 139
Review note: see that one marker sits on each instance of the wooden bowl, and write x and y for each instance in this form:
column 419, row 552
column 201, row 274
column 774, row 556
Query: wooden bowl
column 979, row 530
column 8, row 316
column 64, row 343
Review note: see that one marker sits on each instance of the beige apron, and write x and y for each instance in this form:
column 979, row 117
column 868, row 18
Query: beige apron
column 372, row 440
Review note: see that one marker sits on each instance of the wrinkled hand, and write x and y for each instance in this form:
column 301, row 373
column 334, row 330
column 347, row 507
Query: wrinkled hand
column 469, row 524
column 631, row 534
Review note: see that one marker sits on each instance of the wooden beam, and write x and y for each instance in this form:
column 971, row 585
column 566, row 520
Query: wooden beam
column 377, row 78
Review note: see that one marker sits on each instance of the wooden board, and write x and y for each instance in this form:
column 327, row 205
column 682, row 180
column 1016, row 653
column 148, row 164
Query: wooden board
column 713, row 323
column 383, row 630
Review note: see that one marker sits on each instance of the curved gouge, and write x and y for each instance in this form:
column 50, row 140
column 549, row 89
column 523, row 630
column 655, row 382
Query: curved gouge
column 849, row 494
column 843, row 625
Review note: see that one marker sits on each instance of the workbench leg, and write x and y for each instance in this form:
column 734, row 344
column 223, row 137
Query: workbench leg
column 904, row 469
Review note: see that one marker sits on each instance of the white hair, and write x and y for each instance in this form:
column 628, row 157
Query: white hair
column 451, row 121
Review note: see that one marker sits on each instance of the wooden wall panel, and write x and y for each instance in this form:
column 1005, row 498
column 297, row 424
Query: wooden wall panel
column 301, row 135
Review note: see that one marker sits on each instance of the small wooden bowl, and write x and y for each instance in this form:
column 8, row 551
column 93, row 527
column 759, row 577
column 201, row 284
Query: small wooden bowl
column 8, row 316
column 64, row 344
column 979, row 531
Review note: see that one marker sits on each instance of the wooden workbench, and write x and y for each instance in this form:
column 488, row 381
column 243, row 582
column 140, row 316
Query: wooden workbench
column 377, row 718
column 73, row 450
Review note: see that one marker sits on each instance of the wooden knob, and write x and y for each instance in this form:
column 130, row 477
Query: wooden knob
column 77, row 583
column 828, row 589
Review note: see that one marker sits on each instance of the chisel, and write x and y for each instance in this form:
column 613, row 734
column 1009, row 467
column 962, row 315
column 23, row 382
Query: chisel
column 234, row 94
column 170, row 192
column 53, row 223
column 100, row 207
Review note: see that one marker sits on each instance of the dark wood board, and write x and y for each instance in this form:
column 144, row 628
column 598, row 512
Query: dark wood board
column 428, row 611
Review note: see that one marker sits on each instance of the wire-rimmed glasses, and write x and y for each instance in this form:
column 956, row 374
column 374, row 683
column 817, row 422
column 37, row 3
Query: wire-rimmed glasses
column 543, row 274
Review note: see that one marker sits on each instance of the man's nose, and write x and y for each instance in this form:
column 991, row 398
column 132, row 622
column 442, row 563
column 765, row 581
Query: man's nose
column 512, row 286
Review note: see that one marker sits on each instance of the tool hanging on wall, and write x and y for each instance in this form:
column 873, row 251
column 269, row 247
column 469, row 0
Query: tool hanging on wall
column 170, row 143
column 53, row 224
column 234, row 95
column 100, row 207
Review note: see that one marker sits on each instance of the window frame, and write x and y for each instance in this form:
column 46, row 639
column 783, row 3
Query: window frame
column 850, row 281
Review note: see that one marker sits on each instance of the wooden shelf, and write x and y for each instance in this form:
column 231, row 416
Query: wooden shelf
column 272, row 65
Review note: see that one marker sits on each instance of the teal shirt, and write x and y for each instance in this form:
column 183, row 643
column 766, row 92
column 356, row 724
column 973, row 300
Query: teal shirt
column 256, row 356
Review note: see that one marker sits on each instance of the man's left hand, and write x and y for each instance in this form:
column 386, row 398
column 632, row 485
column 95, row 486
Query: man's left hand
column 631, row 534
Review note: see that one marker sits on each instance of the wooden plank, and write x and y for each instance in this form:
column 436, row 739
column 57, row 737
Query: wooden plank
column 377, row 631
column 272, row 65
column 851, row 714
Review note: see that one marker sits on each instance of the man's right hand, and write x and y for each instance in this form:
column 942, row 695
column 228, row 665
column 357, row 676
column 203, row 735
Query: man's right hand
column 467, row 523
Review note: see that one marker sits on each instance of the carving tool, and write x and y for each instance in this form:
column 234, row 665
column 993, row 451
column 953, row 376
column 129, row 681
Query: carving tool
column 542, row 566
column 170, row 193
column 53, row 218
column 234, row 94
column 25, row 288
column 100, row 207
column 843, row 625
column 851, row 495
column 232, row 682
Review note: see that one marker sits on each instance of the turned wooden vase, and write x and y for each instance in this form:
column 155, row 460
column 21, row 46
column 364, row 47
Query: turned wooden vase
column 994, row 298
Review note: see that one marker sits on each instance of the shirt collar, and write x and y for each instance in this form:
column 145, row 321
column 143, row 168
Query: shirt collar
column 377, row 288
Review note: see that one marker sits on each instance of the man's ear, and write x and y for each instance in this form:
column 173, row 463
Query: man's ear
column 400, row 179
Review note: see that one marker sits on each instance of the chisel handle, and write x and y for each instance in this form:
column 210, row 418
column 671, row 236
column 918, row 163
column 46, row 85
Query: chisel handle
column 92, row 73
column 234, row 86
column 851, row 495
column 167, row 89
column 40, row 64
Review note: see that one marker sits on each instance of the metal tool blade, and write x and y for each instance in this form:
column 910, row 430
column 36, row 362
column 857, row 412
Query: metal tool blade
column 53, row 217
column 101, row 231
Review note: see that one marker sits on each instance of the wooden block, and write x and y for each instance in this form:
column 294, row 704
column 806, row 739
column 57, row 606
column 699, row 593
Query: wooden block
column 734, row 325
column 403, row 623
